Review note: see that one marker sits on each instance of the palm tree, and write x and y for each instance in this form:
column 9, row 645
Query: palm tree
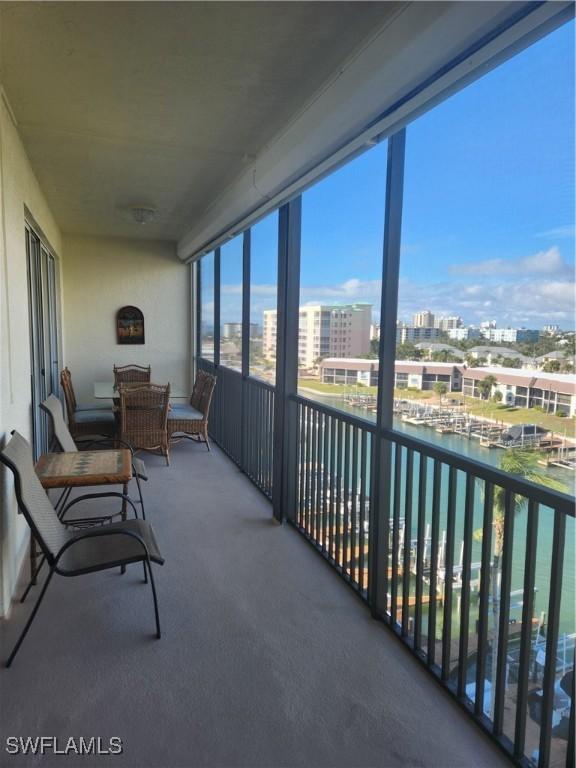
column 440, row 388
column 521, row 463
column 486, row 385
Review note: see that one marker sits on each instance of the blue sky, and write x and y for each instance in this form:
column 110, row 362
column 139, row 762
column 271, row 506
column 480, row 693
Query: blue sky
column 488, row 224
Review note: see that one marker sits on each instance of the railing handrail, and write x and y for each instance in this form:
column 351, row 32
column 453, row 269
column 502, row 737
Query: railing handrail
column 546, row 496
column 349, row 418
column 235, row 372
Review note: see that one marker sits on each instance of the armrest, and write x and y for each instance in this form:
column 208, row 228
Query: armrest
column 90, row 443
column 103, row 531
column 89, row 496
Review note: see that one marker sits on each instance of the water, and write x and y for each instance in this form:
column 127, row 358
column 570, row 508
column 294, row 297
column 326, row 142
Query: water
column 473, row 450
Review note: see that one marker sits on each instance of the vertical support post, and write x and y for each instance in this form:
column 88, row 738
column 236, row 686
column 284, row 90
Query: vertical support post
column 246, row 303
column 285, row 416
column 382, row 456
column 217, row 307
column 195, row 318
column 244, row 416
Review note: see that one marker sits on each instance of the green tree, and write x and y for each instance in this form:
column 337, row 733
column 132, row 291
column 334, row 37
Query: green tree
column 445, row 356
column 497, row 396
column 552, row 366
column 485, row 386
column 440, row 388
column 512, row 362
column 408, row 351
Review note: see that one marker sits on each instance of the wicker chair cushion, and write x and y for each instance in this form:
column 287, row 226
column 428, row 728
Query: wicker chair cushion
column 94, row 415
column 184, row 412
column 92, row 407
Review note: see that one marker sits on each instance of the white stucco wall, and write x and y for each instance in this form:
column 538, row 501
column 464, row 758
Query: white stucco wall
column 104, row 274
column 18, row 188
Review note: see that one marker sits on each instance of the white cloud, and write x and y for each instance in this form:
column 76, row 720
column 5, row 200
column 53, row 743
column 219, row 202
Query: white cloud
column 527, row 301
column 568, row 230
column 544, row 262
column 351, row 290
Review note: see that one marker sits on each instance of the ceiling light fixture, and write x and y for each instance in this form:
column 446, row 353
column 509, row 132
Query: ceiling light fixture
column 143, row 214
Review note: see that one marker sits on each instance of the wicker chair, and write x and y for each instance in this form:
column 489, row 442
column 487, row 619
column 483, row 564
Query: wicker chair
column 71, row 551
column 85, row 419
column 191, row 421
column 131, row 374
column 143, row 415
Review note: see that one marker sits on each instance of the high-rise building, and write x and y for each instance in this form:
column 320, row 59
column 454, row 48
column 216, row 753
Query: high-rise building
column 234, row 330
column 409, row 333
column 424, row 319
column 514, row 335
column 448, row 323
column 462, row 334
column 324, row 330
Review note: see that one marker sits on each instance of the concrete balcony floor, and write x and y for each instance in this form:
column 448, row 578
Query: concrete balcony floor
column 267, row 657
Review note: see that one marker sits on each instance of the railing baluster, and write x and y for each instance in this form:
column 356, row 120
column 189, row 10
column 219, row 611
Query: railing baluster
column 339, row 493
column 408, row 493
column 526, row 631
column 398, row 451
column 325, row 480
column 363, row 497
column 448, row 575
column 434, row 543
column 504, row 612
column 420, row 544
column 319, row 477
column 346, row 518
column 309, row 465
column 332, row 514
column 355, row 523
column 484, row 597
column 465, row 586
column 315, row 474
column 552, row 627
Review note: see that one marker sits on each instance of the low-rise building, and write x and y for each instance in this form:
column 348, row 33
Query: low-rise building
column 407, row 374
column 492, row 354
column 553, row 392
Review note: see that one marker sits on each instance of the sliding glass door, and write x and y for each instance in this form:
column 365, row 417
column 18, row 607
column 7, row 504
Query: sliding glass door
column 44, row 348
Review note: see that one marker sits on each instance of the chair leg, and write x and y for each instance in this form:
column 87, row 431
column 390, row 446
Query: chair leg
column 145, row 573
column 141, row 496
column 30, row 619
column 158, row 633
column 206, row 437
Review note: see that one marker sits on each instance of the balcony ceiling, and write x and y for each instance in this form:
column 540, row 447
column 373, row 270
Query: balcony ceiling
column 163, row 104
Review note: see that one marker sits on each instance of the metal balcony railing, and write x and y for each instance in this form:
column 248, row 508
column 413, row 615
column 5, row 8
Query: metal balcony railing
column 464, row 562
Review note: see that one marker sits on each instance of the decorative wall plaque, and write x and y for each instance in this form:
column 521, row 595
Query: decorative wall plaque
column 130, row 326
